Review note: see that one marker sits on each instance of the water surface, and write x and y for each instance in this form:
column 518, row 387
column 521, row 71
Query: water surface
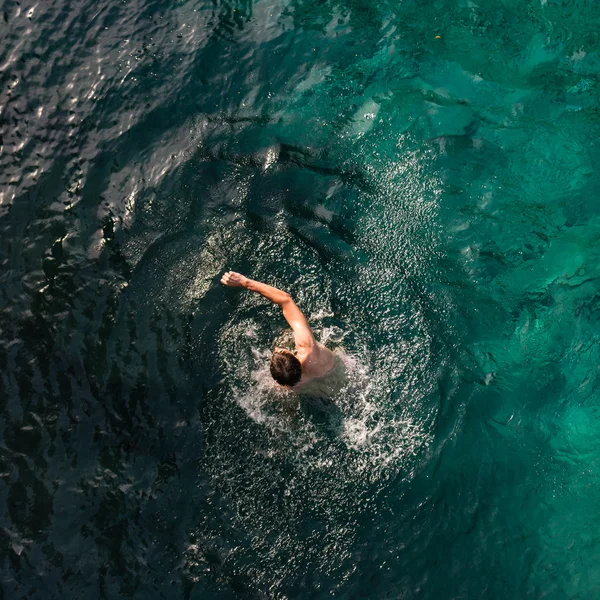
column 421, row 177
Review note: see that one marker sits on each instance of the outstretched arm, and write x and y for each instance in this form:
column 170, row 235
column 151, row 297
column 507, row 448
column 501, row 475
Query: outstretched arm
column 293, row 315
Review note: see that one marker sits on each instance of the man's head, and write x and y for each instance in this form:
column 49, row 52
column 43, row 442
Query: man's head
column 285, row 367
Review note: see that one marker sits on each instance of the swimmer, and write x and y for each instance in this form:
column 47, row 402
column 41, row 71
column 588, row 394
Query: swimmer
column 311, row 361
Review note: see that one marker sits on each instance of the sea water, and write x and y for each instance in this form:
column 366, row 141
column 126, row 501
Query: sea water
column 421, row 177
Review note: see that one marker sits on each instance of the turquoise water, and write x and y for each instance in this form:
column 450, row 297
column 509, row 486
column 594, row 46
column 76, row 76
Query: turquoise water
column 421, row 177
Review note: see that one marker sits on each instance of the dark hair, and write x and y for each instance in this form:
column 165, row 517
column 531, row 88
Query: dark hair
column 285, row 368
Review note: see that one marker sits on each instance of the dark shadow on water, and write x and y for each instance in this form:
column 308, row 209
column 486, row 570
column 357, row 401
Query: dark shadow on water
column 323, row 412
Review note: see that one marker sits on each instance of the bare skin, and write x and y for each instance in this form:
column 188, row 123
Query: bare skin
column 316, row 360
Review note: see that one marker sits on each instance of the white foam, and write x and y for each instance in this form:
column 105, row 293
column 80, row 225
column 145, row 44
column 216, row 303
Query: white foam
column 366, row 419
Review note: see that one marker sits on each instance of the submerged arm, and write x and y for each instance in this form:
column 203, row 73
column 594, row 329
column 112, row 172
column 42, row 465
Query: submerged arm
column 293, row 315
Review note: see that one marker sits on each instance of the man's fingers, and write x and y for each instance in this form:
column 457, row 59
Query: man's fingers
column 230, row 278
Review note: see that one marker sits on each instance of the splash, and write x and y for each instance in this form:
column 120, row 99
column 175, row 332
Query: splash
column 361, row 417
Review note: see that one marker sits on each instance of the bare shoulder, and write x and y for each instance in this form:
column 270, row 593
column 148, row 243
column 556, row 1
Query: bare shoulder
column 317, row 361
column 325, row 353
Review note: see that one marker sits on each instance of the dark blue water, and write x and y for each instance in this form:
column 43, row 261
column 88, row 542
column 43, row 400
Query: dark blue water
column 421, row 176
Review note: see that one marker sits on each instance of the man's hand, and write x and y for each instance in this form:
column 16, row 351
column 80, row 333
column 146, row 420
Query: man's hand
column 233, row 279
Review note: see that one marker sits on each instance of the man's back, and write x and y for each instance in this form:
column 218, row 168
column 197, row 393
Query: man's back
column 316, row 360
